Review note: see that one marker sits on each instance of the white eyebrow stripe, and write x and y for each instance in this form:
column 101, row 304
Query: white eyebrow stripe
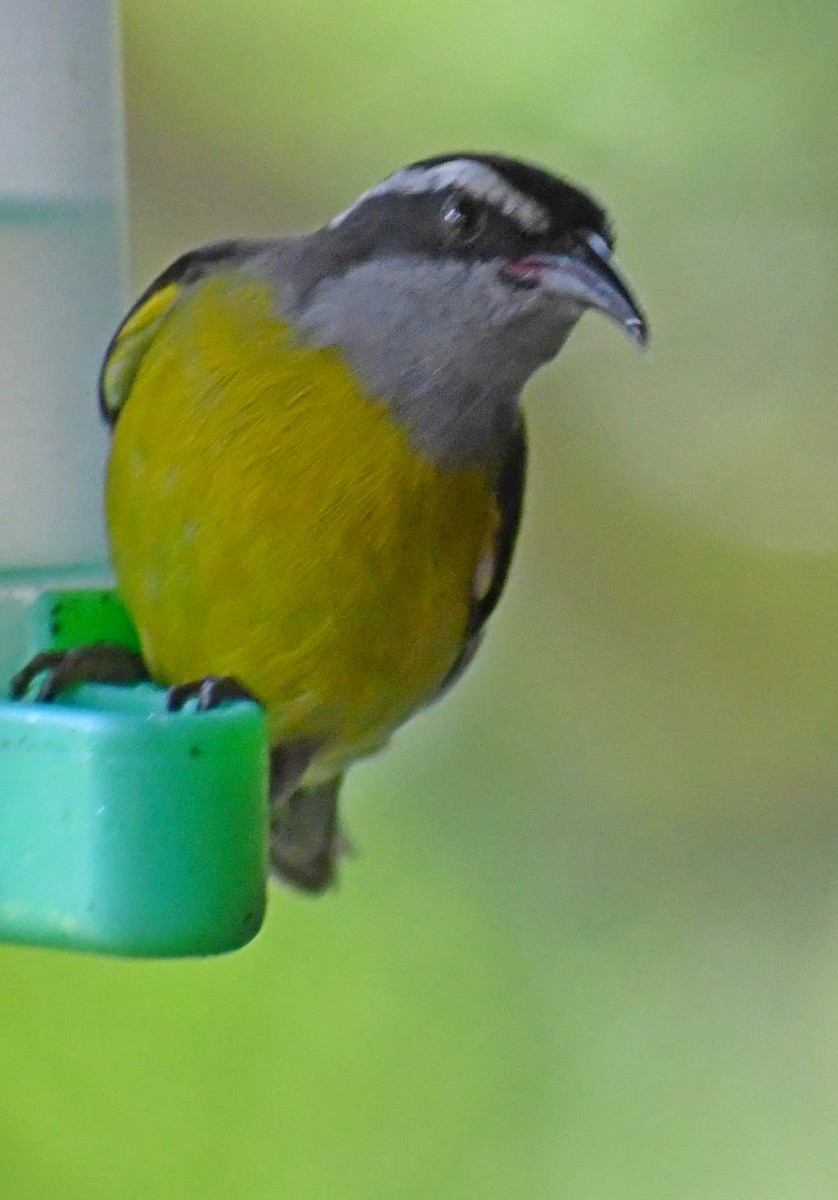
column 473, row 178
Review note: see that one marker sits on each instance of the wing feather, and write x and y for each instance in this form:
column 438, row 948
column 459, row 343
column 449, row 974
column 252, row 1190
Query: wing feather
column 493, row 566
column 132, row 339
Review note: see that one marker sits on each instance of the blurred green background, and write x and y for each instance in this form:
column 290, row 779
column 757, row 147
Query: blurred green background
column 589, row 948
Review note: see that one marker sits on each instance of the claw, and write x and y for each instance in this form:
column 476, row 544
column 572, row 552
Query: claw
column 210, row 692
column 45, row 661
column 101, row 662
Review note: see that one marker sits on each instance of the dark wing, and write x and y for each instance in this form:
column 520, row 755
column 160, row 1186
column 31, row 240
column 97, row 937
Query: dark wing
column 509, row 496
column 137, row 331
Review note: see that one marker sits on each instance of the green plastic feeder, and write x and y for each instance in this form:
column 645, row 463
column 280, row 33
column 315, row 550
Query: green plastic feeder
column 126, row 829
column 123, row 828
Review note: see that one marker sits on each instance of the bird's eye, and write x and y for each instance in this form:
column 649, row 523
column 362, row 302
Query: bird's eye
column 464, row 219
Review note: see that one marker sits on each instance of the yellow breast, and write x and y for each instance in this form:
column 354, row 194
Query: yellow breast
column 270, row 521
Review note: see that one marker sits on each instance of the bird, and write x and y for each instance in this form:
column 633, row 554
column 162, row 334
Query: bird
column 318, row 462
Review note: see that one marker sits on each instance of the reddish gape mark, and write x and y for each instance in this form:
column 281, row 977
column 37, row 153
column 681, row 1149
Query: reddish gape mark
column 527, row 271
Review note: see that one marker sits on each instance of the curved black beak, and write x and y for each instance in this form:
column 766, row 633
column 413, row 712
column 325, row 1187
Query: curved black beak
column 587, row 275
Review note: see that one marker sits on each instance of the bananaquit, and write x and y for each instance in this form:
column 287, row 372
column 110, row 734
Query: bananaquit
column 319, row 457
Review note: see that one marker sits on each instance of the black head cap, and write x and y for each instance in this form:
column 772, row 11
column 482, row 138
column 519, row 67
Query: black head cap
column 568, row 208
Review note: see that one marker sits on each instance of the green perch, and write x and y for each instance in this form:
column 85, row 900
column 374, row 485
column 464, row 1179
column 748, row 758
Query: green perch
column 126, row 829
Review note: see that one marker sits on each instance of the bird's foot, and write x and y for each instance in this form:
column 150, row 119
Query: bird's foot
column 209, row 692
column 101, row 662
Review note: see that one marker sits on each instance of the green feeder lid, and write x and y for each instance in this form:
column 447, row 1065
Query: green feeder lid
column 126, row 829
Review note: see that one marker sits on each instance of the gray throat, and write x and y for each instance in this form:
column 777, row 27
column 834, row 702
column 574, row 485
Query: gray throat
column 436, row 341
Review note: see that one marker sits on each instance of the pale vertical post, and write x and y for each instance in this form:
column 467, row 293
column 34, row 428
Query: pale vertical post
column 61, row 272
column 62, row 277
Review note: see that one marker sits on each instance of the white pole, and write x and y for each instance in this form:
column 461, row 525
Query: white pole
column 61, row 273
